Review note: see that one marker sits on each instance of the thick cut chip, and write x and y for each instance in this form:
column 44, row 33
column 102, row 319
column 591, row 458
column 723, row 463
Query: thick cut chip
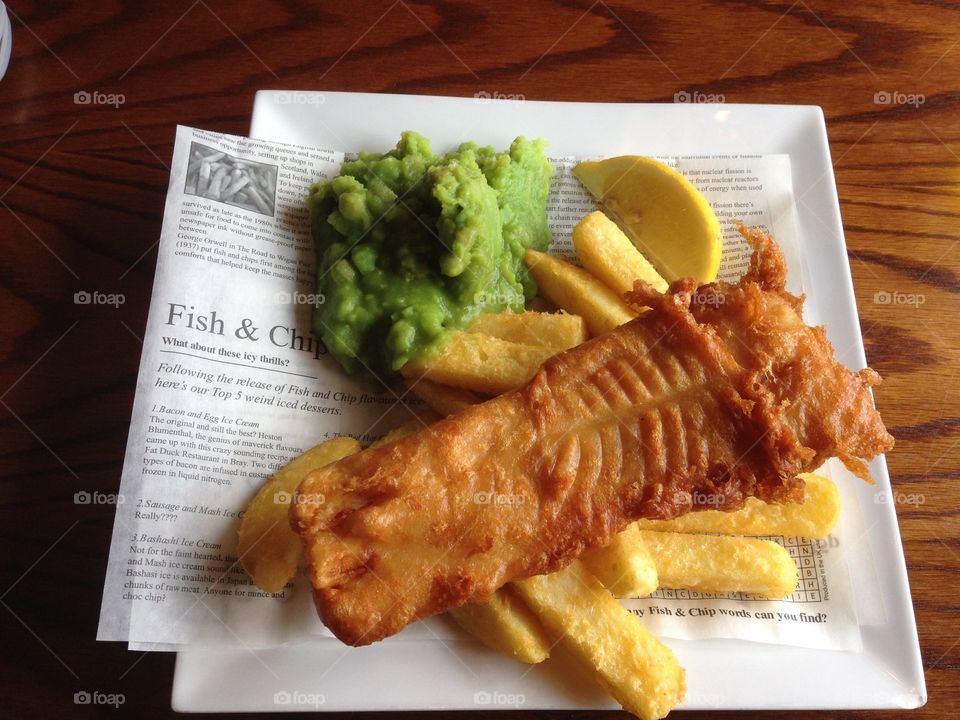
column 442, row 399
column 506, row 624
column 559, row 331
column 578, row 292
column 269, row 550
column 480, row 363
column 722, row 564
column 607, row 252
column 639, row 671
column 625, row 566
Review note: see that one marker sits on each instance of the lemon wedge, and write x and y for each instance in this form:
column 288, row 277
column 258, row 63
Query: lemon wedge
column 661, row 212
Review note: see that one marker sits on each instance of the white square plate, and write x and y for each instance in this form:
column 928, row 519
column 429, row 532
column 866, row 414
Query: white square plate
column 323, row 674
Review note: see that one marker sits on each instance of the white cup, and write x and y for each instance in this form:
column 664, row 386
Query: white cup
column 6, row 39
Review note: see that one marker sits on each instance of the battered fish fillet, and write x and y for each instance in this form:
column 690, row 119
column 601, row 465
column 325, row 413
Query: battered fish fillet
column 718, row 392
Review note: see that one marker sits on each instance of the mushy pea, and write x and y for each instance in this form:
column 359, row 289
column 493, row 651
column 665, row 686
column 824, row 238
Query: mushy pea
column 411, row 245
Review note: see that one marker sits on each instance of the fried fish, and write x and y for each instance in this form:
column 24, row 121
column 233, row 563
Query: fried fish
column 717, row 393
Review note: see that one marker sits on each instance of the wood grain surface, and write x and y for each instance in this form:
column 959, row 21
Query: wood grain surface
column 82, row 189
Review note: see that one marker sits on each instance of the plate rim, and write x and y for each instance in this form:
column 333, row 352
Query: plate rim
column 811, row 136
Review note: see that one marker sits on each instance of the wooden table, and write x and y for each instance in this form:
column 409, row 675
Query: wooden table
column 82, row 188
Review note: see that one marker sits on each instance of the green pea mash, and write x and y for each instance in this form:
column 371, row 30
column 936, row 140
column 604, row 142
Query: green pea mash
column 411, row 245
